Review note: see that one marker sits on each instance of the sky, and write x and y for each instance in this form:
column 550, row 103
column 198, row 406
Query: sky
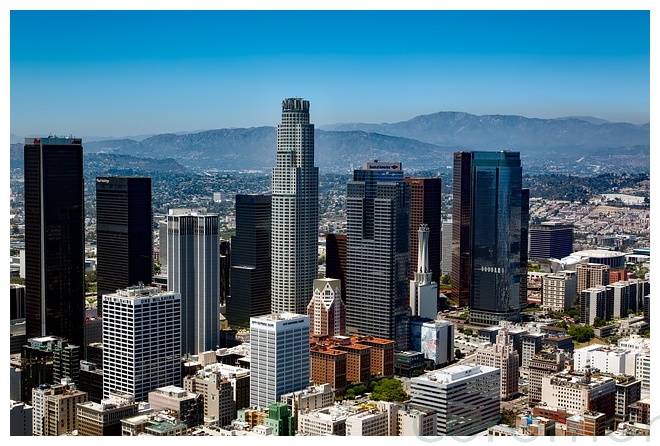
column 121, row 73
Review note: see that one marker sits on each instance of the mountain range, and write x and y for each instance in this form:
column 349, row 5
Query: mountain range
column 426, row 141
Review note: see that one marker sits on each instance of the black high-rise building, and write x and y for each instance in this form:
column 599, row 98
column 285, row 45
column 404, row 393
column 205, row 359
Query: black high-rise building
column 335, row 259
column 124, row 241
column 250, row 274
column 225, row 266
column 550, row 240
column 54, row 238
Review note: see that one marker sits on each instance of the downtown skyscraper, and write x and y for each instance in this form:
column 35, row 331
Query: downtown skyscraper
column 377, row 286
column 295, row 211
column 489, row 246
column 250, row 260
column 54, row 238
column 123, row 234
column 193, row 270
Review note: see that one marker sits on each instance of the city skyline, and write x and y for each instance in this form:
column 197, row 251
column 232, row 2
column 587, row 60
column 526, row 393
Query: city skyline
column 132, row 76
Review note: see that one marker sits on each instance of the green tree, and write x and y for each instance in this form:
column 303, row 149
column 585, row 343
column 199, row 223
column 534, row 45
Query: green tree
column 389, row 389
column 599, row 322
column 445, row 280
column 562, row 324
column 360, row 389
column 581, row 333
column 458, row 354
column 467, row 332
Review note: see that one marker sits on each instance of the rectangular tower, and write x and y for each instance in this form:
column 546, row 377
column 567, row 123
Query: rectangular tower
column 490, row 227
column 250, row 260
column 377, row 288
column 335, row 259
column 550, row 240
column 193, row 271
column 465, row 397
column 425, row 208
column 279, row 356
column 295, row 207
column 54, row 238
column 141, row 341
column 124, row 241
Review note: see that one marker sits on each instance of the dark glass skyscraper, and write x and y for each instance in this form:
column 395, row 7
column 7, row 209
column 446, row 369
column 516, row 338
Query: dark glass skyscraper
column 550, row 240
column 335, row 259
column 490, row 222
column 377, row 288
column 54, row 238
column 250, row 261
column 124, row 241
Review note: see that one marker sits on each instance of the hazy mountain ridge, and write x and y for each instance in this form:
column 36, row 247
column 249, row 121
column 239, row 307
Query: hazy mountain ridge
column 512, row 132
column 425, row 141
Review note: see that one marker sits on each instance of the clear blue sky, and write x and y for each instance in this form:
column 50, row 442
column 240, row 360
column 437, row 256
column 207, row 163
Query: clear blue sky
column 121, row 73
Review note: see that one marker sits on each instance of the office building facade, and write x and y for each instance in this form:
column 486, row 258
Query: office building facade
column 141, row 341
column 466, row 398
column 326, row 310
column 193, row 271
column 295, row 210
column 550, row 240
column 489, row 252
column 503, row 356
column 124, row 241
column 559, row 291
column 250, row 260
column 378, row 209
column 279, row 345
column 54, row 238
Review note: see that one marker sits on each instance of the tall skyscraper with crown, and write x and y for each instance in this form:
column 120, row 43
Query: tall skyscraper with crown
column 295, row 211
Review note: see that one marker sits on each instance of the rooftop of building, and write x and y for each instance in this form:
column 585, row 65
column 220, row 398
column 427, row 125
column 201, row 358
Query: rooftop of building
column 455, row 373
column 598, row 253
column 274, row 317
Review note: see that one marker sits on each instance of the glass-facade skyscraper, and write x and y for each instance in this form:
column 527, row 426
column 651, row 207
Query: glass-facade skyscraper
column 124, row 241
column 250, row 260
column 193, row 270
column 490, row 228
column 377, row 251
column 295, row 211
column 54, row 238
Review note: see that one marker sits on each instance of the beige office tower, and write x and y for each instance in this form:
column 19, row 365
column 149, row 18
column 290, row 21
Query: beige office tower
column 326, row 310
column 591, row 274
column 295, row 211
column 503, row 356
column 559, row 291
column 54, row 409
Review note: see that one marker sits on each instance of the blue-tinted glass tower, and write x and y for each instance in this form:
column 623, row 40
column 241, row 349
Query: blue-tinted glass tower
column 497, row 231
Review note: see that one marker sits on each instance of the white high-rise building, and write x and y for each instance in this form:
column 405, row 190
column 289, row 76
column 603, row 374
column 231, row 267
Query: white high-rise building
column 141, row 341
column 466, row 398
column 295, row 211
column 279, row 356
column 193, row 270
column 423, row 290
